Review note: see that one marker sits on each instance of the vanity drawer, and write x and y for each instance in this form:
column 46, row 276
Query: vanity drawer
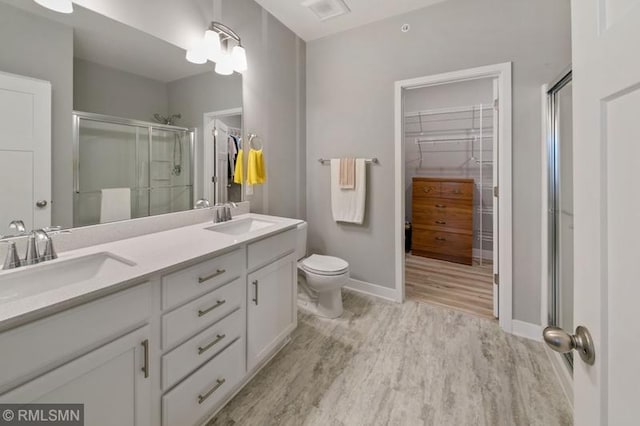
column 202, row 392
column 188, row 283
column 457, row 190
column 426, row 189
column 190, row 355
column 183, row 322
column 265, row 251
column 34, row 349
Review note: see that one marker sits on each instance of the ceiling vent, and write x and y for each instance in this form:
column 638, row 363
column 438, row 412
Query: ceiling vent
column 327, row 9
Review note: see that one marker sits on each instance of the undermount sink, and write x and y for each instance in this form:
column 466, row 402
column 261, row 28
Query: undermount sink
column 240, row 227
column 31, row 280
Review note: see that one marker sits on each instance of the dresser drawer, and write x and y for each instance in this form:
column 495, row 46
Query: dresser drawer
column 458, row 220
column 33, row 349
column 190, row 355
column 188, row 283
column 443, row 245
column 426, row 189
column 457, row 190
column 202, row 392
column 265, row 251
column 183, row 322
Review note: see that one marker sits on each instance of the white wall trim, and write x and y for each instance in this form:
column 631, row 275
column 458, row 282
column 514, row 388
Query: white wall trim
column 370, row 289
column 208, row 151
column 563, row 374
column 503, row 73
column 544, row 235
column 526, row 330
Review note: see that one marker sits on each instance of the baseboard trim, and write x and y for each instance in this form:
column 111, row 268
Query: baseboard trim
column 527, row 330
column 372, row 289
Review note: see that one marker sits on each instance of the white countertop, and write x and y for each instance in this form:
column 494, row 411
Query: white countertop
column 152, row 254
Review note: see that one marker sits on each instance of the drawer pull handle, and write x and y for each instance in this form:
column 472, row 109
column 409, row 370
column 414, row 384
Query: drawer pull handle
column 206, row 311
column 441, row 206
column 441, row 239
column 441, row 222
column 427, row 190
column 456, row 191
column 255, row 283
column 212, row 276
column 202, row 398
column 145, row 366
column 203, row 349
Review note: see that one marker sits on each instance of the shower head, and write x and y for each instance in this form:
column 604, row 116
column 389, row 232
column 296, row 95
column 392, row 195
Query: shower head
column 167, row 120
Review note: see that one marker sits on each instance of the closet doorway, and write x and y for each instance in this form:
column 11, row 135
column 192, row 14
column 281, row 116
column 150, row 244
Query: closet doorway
column 449, row 133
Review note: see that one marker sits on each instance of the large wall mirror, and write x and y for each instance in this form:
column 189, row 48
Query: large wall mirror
column 133, row 129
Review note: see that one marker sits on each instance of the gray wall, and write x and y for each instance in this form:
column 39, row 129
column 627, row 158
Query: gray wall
column 43, row 49
column 104, row 90
column 196, row 95
column 350, row 112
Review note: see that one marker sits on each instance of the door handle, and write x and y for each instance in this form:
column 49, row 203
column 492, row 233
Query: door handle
column 41, row 204
column 145, row 348
column 563, row 342
column 255, row 283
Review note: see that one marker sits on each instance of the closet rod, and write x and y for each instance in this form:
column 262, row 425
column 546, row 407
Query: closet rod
column 373, row 160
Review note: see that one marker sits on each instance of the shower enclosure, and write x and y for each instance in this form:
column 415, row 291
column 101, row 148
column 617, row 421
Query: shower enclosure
column 155, row 161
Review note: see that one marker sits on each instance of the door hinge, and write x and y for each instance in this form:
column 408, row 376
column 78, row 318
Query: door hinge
column 495, row 191
column 496, row 279
column 214, row 179
column 496, row 104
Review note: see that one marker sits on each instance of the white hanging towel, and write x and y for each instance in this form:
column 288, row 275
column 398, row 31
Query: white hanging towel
column 347, row 205
column 115, row 205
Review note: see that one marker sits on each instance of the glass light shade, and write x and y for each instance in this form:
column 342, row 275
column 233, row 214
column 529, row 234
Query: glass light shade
column 224, row 66
column 212, row 41
column 239, row 58
column 62, row 6
column 198, row 53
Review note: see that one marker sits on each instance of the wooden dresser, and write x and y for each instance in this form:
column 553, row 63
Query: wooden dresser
column 443, row 219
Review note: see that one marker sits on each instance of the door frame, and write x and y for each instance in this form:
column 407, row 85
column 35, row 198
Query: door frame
column 501, row 72
column 209, row 151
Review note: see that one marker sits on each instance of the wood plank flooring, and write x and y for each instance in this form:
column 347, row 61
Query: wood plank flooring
column 461, row 287
column 411, row 364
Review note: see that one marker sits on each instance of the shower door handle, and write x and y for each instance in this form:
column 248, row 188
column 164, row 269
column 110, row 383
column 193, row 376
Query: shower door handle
column 41, row 204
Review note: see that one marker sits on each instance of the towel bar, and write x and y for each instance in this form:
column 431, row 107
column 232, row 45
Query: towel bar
column 373, row 160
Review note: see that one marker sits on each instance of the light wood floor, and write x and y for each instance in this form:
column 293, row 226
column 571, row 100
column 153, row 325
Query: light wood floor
column 461, row 287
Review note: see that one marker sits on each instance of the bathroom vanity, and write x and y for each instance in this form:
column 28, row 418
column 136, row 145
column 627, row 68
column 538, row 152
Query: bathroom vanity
column 161, row 329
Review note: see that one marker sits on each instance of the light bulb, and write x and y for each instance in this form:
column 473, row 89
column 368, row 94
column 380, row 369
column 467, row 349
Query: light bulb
column 198, row 53
column 239, row 58
column 224, row 66
column 212, row 41
column 62, row 6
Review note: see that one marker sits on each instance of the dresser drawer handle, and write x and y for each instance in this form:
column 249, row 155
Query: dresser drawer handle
column 203, row 349
column 212, row 276
column 441, row 222
column 202, row 398
column 441, row 239
column 441, row 206
column 456, row 191
column 206, row 311
column 427, row 189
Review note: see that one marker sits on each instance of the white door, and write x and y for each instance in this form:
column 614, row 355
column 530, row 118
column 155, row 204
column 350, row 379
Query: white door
column 271, row 308
column 25, row 151
column 110, row 381
column 606, row 84
column 222, row 161
column 495, row 166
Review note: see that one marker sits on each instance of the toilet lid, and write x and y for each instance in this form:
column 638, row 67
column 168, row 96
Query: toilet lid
column 325, row 264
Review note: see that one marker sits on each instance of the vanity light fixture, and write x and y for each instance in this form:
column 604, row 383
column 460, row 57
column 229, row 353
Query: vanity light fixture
column 215, row 46
column 61, row 6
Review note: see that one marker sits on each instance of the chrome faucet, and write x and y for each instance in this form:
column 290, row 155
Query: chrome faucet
column 223, row 212
column 33, row 255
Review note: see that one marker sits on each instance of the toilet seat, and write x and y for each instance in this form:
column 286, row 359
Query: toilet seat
column 324, row 265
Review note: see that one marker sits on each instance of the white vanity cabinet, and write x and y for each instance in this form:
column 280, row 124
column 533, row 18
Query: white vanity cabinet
column 112, row 382
column 271, row 296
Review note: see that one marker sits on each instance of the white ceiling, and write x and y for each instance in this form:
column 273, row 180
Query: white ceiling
column 308, row 27
column 101, row 40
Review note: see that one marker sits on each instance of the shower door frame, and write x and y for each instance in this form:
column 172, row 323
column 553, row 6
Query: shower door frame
column 102, row 118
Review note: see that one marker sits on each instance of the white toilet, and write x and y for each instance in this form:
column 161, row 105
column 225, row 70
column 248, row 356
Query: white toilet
column 320, row 279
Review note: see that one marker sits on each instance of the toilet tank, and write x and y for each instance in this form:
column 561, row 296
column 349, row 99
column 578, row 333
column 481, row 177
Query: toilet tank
column 301, row 241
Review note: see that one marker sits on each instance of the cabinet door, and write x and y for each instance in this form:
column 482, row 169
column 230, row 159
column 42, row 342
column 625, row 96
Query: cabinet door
column 271, row 308
column 110, row 381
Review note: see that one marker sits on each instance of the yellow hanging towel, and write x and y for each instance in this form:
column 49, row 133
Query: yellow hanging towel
column 238, row 173
column 256, row 172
